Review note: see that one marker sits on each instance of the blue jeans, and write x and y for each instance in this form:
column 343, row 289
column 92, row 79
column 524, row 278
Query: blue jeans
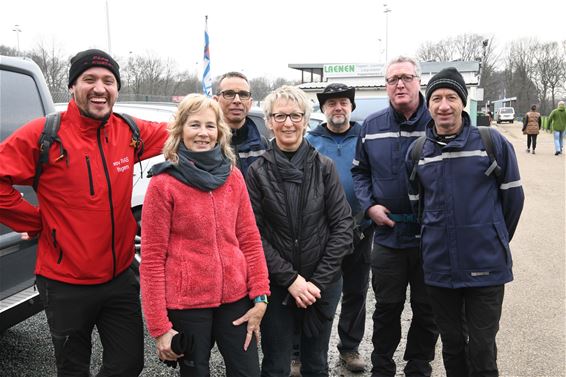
column 558, row 141
column 282, row 324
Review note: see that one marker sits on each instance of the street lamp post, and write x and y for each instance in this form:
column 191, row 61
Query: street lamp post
column 386, row 11
column 18, row 31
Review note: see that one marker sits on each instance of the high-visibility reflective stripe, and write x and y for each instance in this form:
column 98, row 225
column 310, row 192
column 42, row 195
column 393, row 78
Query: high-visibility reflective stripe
column 250, row 154
column 506, row 186
column 386, row 135
column 356, row 163
column 447, row 155
column 414, row 198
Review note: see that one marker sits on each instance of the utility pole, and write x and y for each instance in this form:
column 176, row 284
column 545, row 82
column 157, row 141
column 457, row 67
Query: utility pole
column 18, row 31
column 386, row 11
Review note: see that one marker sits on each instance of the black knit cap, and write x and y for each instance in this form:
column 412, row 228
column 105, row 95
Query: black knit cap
column 448, row 78
column 336, row 90
column 92, row 58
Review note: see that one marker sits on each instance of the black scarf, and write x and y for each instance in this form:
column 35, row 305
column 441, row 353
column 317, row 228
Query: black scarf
column 206, row 170
column 291, row 170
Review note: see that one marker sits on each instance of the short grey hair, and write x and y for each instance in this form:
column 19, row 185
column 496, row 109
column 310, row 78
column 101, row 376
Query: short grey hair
column 287, row 93
column 403, row 59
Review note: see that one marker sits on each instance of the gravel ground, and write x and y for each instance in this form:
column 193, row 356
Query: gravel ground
column 531, row 342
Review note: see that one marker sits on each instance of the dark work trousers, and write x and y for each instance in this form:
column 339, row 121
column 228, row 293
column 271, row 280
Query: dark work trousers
column 533, row 139
column 355, row 276
column 476, row 356
column 114, row 308
column 211, row 325
column 392, row 270
column 279, row 329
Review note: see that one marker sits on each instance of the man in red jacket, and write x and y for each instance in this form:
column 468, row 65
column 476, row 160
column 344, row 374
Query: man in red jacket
column 84, row 221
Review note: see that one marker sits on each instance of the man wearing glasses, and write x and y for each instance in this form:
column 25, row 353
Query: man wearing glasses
column 235, row 99
column 380, row 183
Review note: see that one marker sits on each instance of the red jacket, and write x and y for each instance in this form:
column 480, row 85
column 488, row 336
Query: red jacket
column 84, row 218
column 199, row 249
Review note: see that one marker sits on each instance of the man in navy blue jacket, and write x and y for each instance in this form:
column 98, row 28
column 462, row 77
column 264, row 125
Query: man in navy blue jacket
column 337, row 139
column 235, row 99
column 380, row 183
column 469, row 214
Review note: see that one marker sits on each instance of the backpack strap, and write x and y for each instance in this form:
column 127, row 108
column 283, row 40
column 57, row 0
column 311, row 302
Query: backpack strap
column 48, row 136
column 494, row 168
column 416, row 153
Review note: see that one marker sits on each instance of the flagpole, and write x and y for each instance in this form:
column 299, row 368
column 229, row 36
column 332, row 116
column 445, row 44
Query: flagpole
column 206, row 75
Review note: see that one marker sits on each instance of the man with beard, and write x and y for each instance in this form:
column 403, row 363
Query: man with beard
column 337, row 139
column 84, row 222
column 235, row 99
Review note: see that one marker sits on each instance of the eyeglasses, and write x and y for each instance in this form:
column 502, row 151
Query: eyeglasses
column 281, row 117
column 395, row 79
column 230, row 95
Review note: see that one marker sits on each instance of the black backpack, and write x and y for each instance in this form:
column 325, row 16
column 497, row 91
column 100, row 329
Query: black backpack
column 494, row 168
column 49, row 136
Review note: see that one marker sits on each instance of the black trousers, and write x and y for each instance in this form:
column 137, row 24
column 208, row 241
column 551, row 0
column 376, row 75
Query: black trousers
column 392, row 271
column 355, row 275
column 468, row 319
column 114, row 308
column 214, row 325
column 533, row 139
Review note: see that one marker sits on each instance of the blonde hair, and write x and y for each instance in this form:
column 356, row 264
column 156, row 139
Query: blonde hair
column 192, row 104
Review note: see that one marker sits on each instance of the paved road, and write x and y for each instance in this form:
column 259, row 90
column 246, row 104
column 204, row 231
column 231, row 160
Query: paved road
column 532, row 336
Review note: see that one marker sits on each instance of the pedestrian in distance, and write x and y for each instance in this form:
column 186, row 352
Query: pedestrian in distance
column 469, row 204
column 203, row 272
column 557, row 123
column 380, row 185
column 336, row 139
column 235, row 99
column 83, row 222
column 306, row 228
column 531, row 127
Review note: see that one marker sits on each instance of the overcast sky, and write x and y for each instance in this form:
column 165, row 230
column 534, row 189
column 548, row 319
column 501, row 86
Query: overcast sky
column 261, row 38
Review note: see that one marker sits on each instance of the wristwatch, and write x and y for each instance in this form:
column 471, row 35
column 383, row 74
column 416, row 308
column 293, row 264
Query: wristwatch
column 261, row 298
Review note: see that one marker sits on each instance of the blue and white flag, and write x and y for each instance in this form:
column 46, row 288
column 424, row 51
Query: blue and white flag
column 206, row 76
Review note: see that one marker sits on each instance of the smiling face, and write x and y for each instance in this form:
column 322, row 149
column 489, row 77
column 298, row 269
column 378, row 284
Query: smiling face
column 288, row 134
column 95, row 91
column 236, row 109
column 404, row 96
column 200, row 131
column 445, row 106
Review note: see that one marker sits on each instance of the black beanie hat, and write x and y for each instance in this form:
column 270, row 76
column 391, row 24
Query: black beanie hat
column 92, row 58
column 448, row 78
column 336, row 90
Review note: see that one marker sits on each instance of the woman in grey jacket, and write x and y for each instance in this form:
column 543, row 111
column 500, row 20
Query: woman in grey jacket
column 306, row 228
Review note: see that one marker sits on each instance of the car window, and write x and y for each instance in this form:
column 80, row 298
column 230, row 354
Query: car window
column 21, row 105
column 506, row 110
column 368, row 105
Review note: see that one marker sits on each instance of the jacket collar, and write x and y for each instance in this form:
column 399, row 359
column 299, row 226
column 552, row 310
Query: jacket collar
column 86, row 124
column 421, row 112
column 460, row 140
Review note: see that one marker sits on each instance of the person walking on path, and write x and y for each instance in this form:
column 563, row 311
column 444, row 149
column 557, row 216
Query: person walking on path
column 469, row 204
column 557, row 123
column 337, row 138
column 531, row 127
column 380, row 183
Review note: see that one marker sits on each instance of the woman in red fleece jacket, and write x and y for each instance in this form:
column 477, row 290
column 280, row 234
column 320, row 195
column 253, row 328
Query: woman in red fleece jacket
column 203, row 271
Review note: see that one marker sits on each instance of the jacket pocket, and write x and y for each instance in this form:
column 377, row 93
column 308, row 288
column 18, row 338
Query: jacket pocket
column 56, row 245
column 89, row 171
column 479, row 248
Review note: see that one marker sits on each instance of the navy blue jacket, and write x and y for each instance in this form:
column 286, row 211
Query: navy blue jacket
column 379, row 170
column 248, row 145
column 468, row 218
column 342, row 153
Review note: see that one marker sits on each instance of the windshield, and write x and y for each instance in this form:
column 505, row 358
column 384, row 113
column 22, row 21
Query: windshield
column 506, row 110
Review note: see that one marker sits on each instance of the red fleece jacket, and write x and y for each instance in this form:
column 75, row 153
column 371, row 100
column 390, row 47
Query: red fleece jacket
column 199, row 249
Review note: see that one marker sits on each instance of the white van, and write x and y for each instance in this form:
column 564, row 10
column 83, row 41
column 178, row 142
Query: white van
column 505, row 114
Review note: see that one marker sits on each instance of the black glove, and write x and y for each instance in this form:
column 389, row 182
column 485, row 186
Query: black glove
column 181, row 344
column 316, row 317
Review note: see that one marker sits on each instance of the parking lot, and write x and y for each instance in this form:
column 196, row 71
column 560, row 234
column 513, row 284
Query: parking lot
column 531, row 342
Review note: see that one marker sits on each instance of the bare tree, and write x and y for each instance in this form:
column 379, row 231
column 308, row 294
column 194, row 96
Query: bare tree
column 8, row 51
column 52, row 64
column 549, row 69
column 520, row 80
column 260, row 87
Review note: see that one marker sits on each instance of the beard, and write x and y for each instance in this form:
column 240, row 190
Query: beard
column 339, row 121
